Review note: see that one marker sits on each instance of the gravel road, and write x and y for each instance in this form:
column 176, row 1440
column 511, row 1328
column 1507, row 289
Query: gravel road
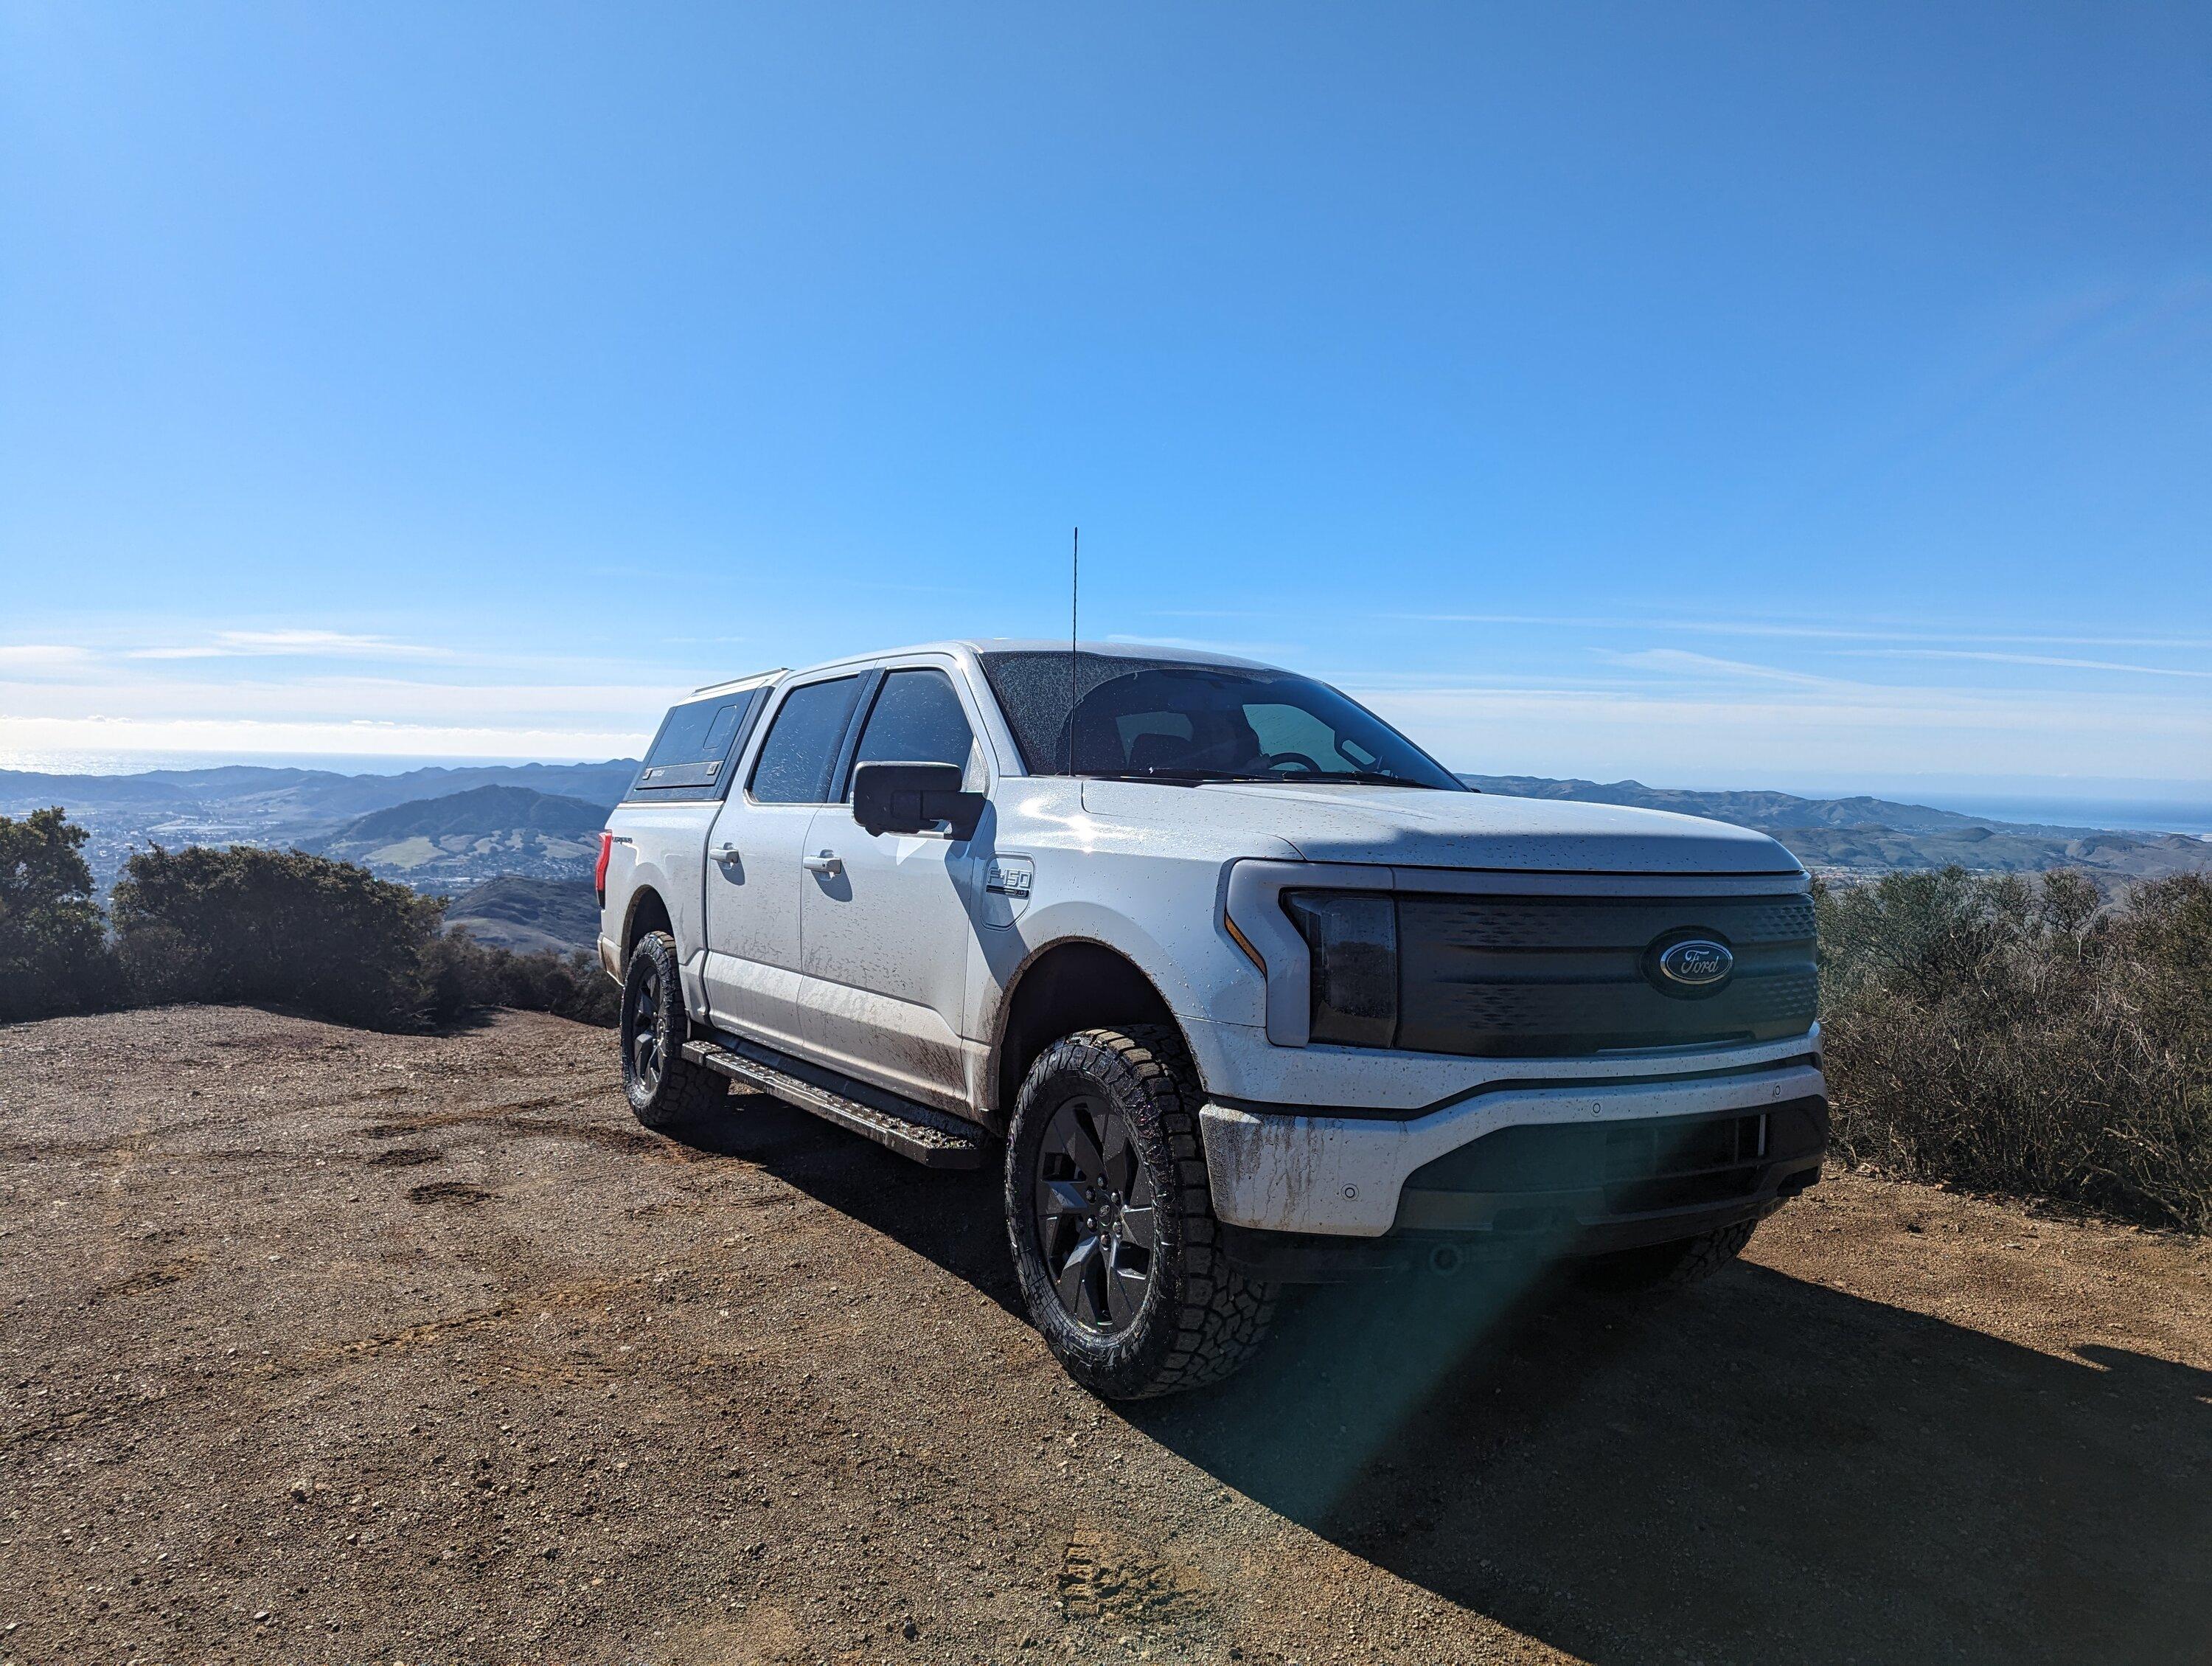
column 322, row 1346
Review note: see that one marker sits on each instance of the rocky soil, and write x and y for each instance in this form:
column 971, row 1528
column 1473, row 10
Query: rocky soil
column 320, row 1346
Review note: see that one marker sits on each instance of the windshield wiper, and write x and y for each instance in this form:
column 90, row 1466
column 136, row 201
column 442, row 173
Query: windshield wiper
column 1138, row 774
column 1371, row 778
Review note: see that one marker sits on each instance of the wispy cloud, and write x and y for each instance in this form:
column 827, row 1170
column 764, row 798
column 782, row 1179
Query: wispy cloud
column 300, row 643
column 1680, row 662
column 1792, row 630
column 1992, row 658
column 34, row 657
column 1207, row 644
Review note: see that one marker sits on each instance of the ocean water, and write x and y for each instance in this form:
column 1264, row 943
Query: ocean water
column 2118, row 811
column 2118, row 815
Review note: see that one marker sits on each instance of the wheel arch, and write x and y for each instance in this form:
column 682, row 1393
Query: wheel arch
column 646, row 912
column 1073, row 983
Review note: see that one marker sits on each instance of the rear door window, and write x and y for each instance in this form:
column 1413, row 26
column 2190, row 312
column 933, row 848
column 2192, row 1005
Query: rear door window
column 800, row 753
column 916, row 718
column 690, row 757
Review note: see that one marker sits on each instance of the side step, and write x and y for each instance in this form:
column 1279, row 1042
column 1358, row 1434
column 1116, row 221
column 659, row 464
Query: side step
column 935, row 1141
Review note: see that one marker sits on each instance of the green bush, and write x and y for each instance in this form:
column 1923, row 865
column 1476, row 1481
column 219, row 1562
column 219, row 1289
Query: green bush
column 250, row 925
column 244, row 924
column 462, row 974
column 2017, row 1036
column 54, row 955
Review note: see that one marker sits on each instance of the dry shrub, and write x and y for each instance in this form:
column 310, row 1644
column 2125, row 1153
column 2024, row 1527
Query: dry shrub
column 2021, row 1036
column 460, row 974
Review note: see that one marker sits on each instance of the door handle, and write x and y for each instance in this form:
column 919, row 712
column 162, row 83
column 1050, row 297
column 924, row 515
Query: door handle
column 725, row 853
column 827, row 862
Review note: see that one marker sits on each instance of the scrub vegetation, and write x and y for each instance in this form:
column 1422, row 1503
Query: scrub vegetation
column 2007, row 1034
column 310, row 933
column 2016, row 1035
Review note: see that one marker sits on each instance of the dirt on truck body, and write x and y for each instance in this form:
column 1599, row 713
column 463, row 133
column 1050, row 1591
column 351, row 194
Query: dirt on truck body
column 321, row 1344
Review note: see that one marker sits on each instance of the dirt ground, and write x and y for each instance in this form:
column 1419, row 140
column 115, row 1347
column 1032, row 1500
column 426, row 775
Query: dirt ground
column 325, row 1345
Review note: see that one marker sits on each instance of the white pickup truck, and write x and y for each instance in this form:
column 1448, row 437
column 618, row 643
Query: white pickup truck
column 1250, row 989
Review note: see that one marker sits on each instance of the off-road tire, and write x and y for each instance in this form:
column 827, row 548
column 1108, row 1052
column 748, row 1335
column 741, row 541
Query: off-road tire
column 678, row 1091
column 1670, row 1266
column 1201, row 1318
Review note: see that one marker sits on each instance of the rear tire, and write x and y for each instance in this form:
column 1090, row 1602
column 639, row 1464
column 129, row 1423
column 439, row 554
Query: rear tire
column 664, row 1089
column 1670, row 1266
column 1111, row 1222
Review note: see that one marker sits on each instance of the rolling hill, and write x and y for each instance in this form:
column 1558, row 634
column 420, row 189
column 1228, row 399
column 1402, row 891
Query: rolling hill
column 254, row 804
column 526, row 915
column 1853, row 837
column 462, row 837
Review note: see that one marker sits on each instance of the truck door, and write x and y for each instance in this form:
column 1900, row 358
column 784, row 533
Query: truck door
column 888, row 927
column 754, row 878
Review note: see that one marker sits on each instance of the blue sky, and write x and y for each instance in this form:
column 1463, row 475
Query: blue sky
column 1719, row 395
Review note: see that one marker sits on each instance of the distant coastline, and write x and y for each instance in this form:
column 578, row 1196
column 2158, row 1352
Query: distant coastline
column 2188, row 811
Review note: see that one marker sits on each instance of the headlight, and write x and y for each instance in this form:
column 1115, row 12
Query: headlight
column 1352, row 937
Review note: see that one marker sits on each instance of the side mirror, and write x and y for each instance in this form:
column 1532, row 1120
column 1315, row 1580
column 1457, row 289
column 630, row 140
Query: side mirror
column 915, row 798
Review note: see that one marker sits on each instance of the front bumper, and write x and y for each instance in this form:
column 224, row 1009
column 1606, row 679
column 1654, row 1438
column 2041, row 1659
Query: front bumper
column 1347, row 1178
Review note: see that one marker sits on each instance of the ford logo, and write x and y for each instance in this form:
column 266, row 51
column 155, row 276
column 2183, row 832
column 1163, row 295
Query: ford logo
column 1696, row 963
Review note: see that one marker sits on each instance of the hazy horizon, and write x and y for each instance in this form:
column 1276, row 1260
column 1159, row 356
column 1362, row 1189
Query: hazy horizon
column 2119, row 805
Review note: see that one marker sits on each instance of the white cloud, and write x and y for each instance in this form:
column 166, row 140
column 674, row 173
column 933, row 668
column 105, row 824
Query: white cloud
column 2021, row 659
column 34, row 657
column 249, row 739
column 1680, row 662
column 1686, row 737
column 301, row 643
column 1265, row 651
column 1787, row 629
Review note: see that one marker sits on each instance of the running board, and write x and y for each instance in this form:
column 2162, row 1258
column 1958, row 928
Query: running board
column 910, row 1130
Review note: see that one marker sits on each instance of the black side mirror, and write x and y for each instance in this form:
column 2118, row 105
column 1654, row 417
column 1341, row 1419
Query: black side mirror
column 915, row 798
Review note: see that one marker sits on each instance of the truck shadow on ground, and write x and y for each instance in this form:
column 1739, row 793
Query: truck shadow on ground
column 1757, row 1469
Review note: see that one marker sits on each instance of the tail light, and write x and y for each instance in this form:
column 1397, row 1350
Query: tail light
column 599, row 873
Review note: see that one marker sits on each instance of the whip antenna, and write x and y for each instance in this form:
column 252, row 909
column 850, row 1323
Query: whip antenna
column 1074, row 601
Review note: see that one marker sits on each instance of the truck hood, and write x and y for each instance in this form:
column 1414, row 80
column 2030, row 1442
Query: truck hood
column 1410, row 827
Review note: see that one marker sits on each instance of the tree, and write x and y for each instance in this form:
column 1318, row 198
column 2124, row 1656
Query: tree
column 54, row 955
column 250, row 925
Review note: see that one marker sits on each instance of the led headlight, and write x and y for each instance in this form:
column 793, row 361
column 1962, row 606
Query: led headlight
column 1353, row 940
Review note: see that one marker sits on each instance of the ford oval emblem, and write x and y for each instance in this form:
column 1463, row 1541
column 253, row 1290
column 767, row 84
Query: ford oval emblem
column 1696, row 963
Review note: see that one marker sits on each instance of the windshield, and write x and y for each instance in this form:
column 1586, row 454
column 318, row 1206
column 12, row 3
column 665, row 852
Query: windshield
column 1164, row 720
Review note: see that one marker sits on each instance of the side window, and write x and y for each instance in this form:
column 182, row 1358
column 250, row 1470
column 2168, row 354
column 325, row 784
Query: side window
column 693, row 744
column 916, row 718
column 801, row 748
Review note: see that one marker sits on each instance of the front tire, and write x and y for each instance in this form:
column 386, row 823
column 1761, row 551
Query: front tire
column 664, row 1089
column 1111, row 1222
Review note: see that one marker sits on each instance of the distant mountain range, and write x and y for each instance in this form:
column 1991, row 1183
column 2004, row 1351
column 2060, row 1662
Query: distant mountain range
column 312, row 808
column 526, row 915
column 305, row 795
column 448, row 829
column 1856, row 836
column 461, row 837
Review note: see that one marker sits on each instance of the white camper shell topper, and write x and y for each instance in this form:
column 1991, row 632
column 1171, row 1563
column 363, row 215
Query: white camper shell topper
column 1240, row 986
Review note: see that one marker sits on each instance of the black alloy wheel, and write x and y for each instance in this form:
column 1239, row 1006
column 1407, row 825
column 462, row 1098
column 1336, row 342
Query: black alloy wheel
column 1097, row 1226
column 646, row 1047
column 1110, row 1218
column 664, row 1089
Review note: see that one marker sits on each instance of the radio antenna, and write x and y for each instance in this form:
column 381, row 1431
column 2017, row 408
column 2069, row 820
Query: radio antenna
column 1074, row 602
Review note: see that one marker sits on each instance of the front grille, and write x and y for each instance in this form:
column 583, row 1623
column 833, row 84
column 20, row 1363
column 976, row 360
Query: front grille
column 1519, row 976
